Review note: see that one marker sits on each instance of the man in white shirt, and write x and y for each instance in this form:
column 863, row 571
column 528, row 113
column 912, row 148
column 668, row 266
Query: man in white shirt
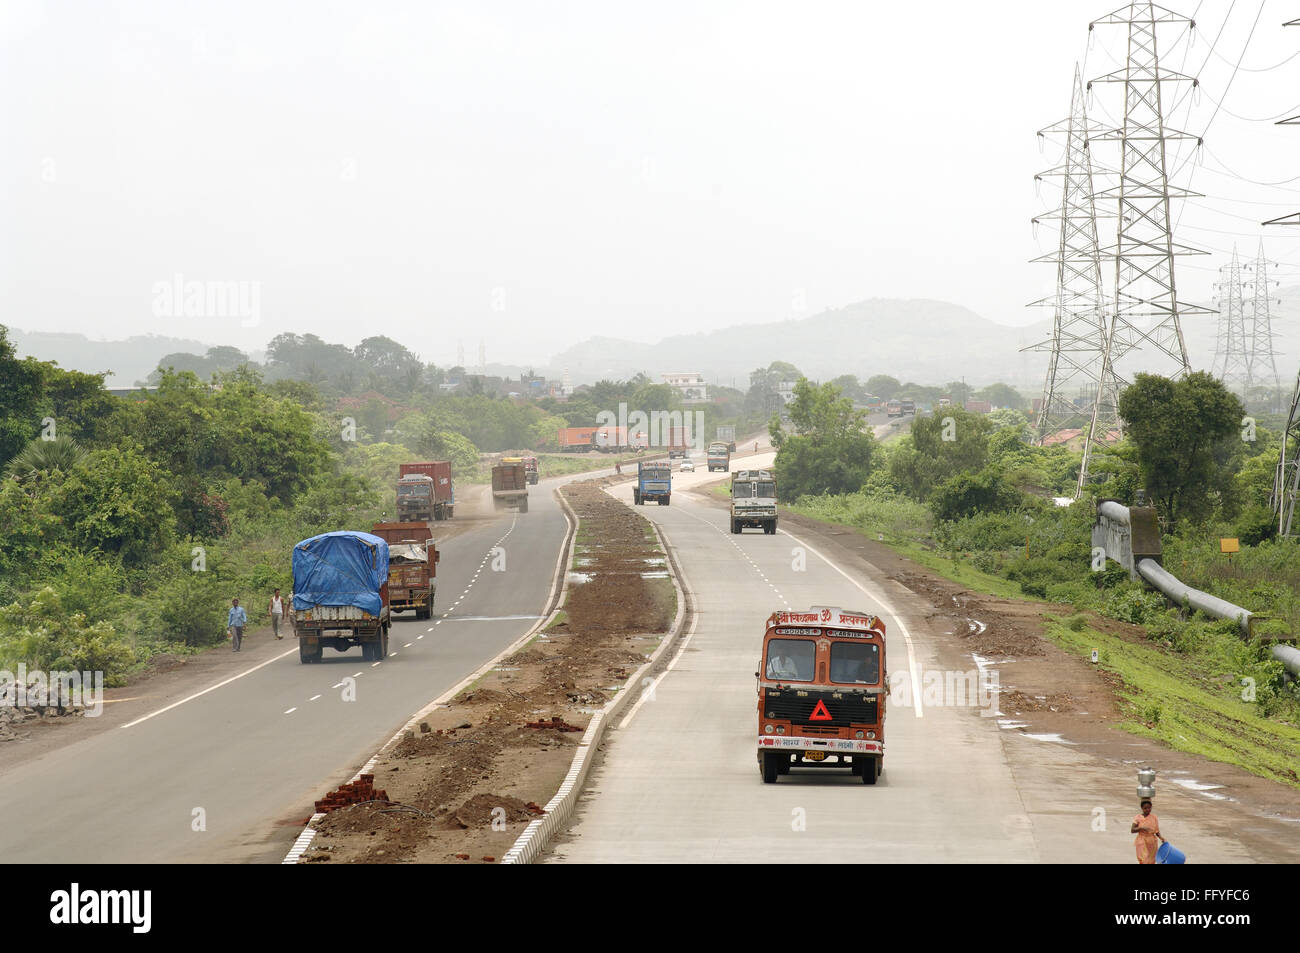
column 276, row 610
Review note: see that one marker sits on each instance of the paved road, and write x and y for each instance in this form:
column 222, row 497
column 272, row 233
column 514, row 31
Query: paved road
column 261, row 748
column 680, row 781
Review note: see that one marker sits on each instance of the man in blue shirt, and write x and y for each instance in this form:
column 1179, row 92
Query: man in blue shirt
column 236, row 619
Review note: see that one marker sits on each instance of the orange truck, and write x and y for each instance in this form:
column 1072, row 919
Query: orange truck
column 821, row 693
column 412, row 567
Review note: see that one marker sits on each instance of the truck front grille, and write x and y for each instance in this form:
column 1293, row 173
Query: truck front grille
column 797, row 705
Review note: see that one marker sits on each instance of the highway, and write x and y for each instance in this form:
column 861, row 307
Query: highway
column 679, row 781
column 252, row 755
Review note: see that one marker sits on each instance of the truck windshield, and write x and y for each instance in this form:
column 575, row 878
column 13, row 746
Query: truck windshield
column 766, row 488
column 790, row 660
column 855, row 663
column 742, row 491
column 413, row 491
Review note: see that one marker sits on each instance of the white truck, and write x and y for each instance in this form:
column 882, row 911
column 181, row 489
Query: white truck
column 753, row 500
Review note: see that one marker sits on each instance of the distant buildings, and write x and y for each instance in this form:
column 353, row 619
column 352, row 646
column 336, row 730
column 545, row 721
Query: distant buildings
column 690, row 387
column 785, row 389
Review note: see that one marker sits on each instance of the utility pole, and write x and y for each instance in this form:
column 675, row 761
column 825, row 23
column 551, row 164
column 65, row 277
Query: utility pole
column 1078, row 342
column 1146, row 311
column 1232, row 355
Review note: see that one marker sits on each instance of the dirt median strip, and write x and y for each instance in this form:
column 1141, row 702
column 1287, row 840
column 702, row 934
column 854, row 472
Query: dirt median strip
column 464, row 780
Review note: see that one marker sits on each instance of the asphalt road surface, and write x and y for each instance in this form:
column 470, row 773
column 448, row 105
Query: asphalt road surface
column 256, row 752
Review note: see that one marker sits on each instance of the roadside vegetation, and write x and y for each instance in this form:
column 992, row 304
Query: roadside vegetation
column 970, row 497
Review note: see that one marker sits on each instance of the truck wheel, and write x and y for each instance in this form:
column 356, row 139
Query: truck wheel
column 367, row 655
column 663, row 501
column 783, row 766
column 735, row 526
column 870, row 770
column 307, row 656
column 668, row 500
column 449, row 511
column 383, row 644
column 523, row 507
column 771, row 767
column 636, row 498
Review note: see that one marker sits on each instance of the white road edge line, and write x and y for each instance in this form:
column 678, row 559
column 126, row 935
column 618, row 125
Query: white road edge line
column 210, row 688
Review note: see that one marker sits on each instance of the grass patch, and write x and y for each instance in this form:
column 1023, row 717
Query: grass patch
column 561, row 618
column 664, row 594
column 1186, row 703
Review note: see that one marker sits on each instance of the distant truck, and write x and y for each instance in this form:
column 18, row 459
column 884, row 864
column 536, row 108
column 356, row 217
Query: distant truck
column 340, row 595
column 425, row 491
column 821, row 693
column 412, row 567
column 718, row 456
column 727, row 435
column 654, row 483
column 510, row 487
column 753, row 500
column 531, row 471
column 576, row 439
column 678, row 445
column 894, row 408
column 908, row 407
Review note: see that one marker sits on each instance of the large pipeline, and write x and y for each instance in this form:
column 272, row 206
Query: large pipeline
column 1116, row 517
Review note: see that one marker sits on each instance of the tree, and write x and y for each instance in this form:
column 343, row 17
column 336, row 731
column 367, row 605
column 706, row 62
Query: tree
column 882, row 386
column 1001, row 395
column 21, row 385
column 1188, row 440
column 939, row 447
column 829, row 450
column 61, row 454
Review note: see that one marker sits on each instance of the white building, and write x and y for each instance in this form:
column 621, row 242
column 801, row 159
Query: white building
column 786, row 390
column 691, row 387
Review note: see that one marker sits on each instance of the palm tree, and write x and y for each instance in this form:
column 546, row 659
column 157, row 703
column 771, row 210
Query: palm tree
column 45, row 456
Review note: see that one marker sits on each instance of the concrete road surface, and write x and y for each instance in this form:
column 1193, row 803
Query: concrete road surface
column 680, row 782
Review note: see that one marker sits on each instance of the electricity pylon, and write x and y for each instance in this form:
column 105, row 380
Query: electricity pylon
column 1146, row 312
column 1078, row 343
column 1286, row 480
column 1232, row 353
column 1263, row 358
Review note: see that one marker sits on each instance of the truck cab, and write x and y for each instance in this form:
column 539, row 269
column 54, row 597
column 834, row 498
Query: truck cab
column 415, row 498
column 753, row 500
column 654, row 483
column 821, row 693
column 718, row 456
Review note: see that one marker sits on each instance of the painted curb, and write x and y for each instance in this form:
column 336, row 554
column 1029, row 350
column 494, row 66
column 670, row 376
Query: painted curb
column 560, row 808
column 559, row 587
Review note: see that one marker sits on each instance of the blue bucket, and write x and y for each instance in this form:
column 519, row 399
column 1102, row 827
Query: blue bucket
column 1169, row 854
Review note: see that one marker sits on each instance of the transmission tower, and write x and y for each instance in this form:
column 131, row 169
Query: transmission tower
column 1232, row 352
column 1286, row 480
column 1078, row 342
column 1146, row 311
column 1263, row 358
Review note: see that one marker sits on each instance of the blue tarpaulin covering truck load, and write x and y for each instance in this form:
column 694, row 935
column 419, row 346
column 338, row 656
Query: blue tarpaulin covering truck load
column 340, row 594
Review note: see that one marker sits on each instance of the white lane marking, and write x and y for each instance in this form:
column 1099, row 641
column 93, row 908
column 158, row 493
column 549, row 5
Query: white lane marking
column 337, row 685
column 885, row 604
column 291, row 711
column 408, row 645
column 392, row 655
column 313, row 698
column 419, row 637
column 373, row 664
column 211, row 688
column 358, row 674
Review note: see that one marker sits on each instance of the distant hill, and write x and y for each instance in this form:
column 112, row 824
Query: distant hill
column 129, row 361
column 926, row 341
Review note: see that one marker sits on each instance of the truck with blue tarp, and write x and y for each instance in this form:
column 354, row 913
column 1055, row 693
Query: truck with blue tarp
column 340, row 595
column 654, row 483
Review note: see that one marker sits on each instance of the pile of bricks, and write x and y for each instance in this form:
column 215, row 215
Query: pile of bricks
column 556, row 723
column 354, row 792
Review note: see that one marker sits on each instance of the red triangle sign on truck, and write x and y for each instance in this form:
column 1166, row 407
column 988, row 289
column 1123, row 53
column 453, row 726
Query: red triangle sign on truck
column 819, row 713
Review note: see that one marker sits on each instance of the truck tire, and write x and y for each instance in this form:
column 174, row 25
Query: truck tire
column 783, row 765
column 871, row 771
column 735, row 526
column 449, row 510
column 383, row 643
column 771, row 766
column 307, row 656
column 663, row 501
column 523, row 507
column 636, row 497
column 668, row 500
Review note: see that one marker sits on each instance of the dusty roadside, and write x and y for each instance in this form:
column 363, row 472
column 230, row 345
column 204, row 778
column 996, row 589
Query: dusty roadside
column 464, row 785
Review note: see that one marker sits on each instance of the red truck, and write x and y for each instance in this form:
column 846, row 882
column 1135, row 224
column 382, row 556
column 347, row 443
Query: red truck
column 575, row 439
column 510, row 486
column 425, row 491
column 412, row 566
column 677, row 443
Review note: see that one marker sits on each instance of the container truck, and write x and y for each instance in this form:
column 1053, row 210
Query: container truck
column 412, row 567
column 719, row 457
column 340, row 595
column 821, row 693
column 509, row 487
column 654, row 483
column 425, row 491
column 575, row 439
column 678, row 445
column 727, row 434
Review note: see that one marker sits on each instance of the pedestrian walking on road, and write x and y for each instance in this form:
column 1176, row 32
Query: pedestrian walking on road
column 277, row 613
column 1147, row 828
column 236, row 619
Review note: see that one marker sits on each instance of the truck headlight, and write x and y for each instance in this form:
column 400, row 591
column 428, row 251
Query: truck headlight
column 780, row 730
column 857, row 734
column 871, row 735
column 768, row 728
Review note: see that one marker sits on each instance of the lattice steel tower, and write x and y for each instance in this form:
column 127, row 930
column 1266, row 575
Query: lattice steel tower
column 1146, row 313
column 1263, row 358
column 1232, row 348
column 1078, row 342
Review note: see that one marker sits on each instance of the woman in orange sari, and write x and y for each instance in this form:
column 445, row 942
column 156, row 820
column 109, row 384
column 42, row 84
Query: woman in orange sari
column 1147, row 828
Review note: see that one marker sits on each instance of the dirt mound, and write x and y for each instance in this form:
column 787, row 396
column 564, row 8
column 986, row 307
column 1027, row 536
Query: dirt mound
column 483, row 809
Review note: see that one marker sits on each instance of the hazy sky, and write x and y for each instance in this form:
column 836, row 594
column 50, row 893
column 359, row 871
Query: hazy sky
column 532, row 174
